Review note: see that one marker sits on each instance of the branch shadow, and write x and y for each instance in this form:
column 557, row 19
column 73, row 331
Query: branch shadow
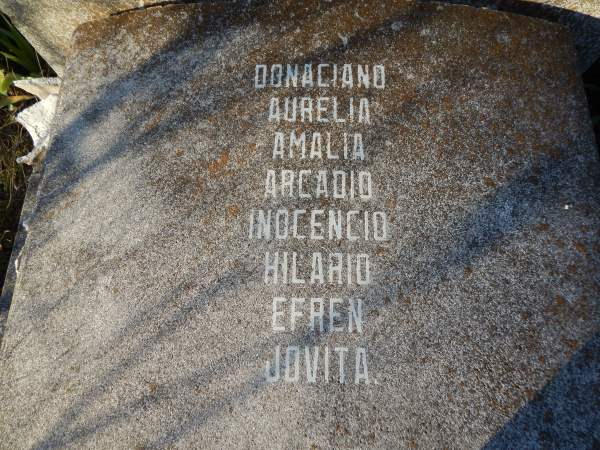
column 564, row 414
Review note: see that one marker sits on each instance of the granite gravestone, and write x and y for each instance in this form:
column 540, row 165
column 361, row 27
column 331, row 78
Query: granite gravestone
column 311, row 226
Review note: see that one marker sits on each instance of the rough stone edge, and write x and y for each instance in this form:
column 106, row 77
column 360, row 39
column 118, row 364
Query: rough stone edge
column 158, row 4
column 116, row 20
column 540, row 20
column 10, row 279
column 206, row 4
column 577, row 21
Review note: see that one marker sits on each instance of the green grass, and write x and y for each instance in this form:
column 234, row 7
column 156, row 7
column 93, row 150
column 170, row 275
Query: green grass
column 14, row 142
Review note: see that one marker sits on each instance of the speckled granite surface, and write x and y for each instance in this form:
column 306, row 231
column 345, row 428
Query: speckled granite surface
column 461, row 183
column 49, row 24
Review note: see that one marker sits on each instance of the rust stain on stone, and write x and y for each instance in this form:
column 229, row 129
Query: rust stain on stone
column 489, row 182
column 233, row 210
column 557, row 307
column 390, row 202
column 93, row 34
column 217, row 167
column 579, row 309
column 154, row 121
column 572, row 344
column 152, row 388
column 580, row 247
column 530, row 393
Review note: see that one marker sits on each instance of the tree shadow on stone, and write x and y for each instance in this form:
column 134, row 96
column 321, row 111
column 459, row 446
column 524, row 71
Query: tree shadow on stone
column 564, row 414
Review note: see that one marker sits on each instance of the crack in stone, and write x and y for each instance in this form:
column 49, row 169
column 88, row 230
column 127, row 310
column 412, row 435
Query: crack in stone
column 143, row 6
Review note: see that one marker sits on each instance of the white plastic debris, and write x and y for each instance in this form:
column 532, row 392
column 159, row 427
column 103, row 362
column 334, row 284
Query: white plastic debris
column 37, row 119
column 40, row 87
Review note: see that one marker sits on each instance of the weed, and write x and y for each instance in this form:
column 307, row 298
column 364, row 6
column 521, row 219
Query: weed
column 6, row 99
column 17, row 51
column 18, row 60
column 15, row 142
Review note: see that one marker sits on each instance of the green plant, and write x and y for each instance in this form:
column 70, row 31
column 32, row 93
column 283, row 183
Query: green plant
column 18, row 55
column 6, row 80
column 18, row 59
column 15, row 48
column 6, row 99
